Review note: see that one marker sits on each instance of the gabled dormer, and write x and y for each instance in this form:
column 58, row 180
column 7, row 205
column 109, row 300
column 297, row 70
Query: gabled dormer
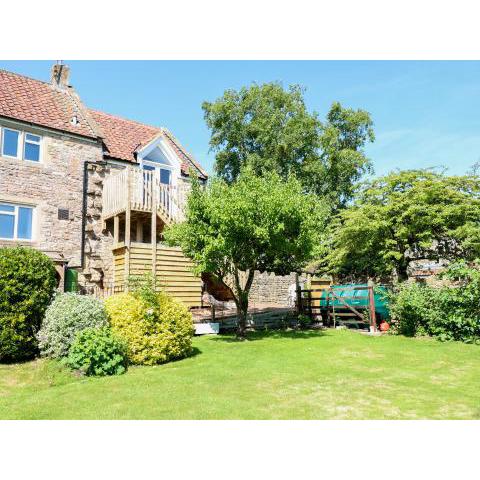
column 159, row 157
column 130, row 142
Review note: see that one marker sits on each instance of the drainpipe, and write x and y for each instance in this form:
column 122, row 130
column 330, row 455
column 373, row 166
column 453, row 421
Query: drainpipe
column 84, row 210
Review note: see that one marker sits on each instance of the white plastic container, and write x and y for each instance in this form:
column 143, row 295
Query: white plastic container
column 207, row 328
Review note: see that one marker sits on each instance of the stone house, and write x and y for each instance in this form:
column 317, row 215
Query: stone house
column 91, row 190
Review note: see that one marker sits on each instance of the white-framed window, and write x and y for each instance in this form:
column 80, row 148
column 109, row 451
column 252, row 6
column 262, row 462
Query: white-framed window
column 10, row 142
column 164, row 172
column 31, row 147
column 21, row 145
column 16, row 221
column 156, row 161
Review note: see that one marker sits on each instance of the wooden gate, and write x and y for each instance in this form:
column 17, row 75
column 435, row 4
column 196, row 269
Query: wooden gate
column 332, row 306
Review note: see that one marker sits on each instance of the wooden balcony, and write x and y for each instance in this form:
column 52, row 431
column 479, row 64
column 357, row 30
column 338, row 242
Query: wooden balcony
column 141, row 206
column 136, row 190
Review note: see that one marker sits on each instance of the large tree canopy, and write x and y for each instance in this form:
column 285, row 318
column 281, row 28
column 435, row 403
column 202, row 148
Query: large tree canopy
column 257, row 223
column 265, row 126
column 405, row 216
column 342, row 159
column 270, row 129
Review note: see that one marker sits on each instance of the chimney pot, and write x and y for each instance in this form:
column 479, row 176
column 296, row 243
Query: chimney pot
column 60, row 75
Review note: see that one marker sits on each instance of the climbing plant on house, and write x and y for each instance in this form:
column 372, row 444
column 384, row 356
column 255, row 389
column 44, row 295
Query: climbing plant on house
column 258, row 223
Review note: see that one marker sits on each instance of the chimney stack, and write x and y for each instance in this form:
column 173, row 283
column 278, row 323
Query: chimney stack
column 60, row 75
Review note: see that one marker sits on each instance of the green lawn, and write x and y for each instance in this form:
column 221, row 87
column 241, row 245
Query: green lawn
column 289, row 375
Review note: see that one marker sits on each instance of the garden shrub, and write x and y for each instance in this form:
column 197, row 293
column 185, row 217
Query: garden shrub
column 304, row 321
column 16, row 338
column 27, row 285
column 458, row 305
column 176, row 327
column 156, row 327
column 68, row 314
column 97, row 352
column 411, row 308
column 449, row 312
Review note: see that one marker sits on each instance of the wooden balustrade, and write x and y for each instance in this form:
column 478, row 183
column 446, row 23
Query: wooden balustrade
column 146, row 193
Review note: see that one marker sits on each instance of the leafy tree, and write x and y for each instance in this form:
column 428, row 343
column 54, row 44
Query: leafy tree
column 405, row 216
column 342, row 159
column 263, row 125
column 257, row 223
column 270, row 129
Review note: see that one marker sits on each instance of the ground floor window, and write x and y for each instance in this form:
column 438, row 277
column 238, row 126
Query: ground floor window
column 16, row 222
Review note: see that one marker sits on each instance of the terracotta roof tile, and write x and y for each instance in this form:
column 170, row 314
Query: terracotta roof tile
column 34, row 101
column 123, row 138
column 29, row 100
column 188, row 160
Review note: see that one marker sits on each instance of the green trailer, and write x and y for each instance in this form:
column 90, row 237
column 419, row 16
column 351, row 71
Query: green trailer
column 356, row 305
column 356, row 295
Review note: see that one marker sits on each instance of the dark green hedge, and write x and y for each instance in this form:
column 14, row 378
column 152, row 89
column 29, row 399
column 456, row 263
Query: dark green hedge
column 448, row 312
column 27, row 285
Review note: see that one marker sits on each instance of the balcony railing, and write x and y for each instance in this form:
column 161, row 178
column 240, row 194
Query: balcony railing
column 142, row 191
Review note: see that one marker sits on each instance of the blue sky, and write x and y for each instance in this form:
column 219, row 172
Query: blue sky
column 425, row 113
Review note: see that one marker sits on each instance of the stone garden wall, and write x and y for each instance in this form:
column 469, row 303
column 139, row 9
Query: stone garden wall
column 271, row 288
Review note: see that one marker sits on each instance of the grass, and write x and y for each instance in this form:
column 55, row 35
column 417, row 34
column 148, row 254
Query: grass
column 283, row 375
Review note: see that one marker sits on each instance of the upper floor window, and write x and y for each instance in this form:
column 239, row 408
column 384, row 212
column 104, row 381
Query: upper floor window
column 156, row 161
column 10, row 141
column 164, row 174
column 17, row 144
column 31, row 149
column 16, row 222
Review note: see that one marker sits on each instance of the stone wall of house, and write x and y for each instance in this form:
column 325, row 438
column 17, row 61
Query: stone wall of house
column 52, row 184
column 57, row 182
column 271, row 288
column 98, row 260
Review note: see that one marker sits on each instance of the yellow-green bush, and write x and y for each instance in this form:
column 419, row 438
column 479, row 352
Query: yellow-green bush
column 155, row 332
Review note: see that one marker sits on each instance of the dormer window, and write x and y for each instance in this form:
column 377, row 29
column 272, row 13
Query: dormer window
column 161, row 161
column 157, row 162
column 21, row 145
column 165, row 174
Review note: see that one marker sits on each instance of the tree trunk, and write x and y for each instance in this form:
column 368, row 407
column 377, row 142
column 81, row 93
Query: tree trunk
column 241, row 301
column 242, row 311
